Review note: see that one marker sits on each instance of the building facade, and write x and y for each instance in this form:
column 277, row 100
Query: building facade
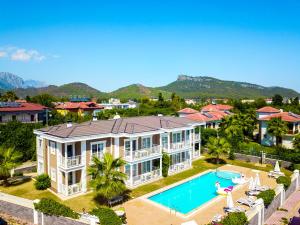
column 64, row 152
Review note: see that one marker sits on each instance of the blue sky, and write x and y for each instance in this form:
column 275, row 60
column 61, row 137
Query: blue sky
column 109, row 44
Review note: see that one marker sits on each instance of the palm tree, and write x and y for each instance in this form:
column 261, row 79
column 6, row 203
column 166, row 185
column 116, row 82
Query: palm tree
column 9, row 159
column 218, row 146
column 296, row 142
column 277, row 128
column 107, row 180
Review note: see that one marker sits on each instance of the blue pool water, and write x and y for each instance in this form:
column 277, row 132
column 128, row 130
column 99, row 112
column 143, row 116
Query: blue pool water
column 188, row 196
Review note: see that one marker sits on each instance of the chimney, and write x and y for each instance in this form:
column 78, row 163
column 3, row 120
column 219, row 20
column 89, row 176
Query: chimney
column 69, row 123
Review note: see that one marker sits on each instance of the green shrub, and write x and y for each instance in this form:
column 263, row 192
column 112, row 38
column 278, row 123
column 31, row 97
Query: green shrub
column 42, row 182
column 18, row 174
column 267, row 196
column 54, row 208
column 235, row 218
column 165, row 164
column 286, row 181
column 106, row 216
column 296, row 166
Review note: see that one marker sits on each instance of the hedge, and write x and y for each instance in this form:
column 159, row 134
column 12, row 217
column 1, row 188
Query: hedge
column 286, row 181
column 106, row 216
column 42, row 182
column 54, row 208
column 267, row 196
column 235, row 218
column 165, row 164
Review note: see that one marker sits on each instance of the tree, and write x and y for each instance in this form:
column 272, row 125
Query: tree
column 9, row 159
column 218, row 146
column 107, row 180
column 44, row 99
column 165, row 164
column 9, row 96
column 277, row 128
column 277, row 100
column 296, row 142
column 295, row 101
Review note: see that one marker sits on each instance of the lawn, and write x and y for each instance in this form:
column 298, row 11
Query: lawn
column 27, row 190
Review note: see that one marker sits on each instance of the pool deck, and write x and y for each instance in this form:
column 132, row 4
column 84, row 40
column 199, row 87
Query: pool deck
column 142, row 211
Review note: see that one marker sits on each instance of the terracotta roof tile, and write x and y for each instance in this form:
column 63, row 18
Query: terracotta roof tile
column 285, row 116
column 188, row 111
column 216, row 107
column 268, row 109
column 23, row 106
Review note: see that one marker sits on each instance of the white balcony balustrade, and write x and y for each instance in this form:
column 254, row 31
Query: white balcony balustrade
column 70, row 162
column 142, row 153
column 197, row 137
column 71, row 189
column 178, row 146
column 145, row 177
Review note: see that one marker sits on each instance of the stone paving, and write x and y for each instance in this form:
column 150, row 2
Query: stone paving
column 139, row 211
column 292, row 204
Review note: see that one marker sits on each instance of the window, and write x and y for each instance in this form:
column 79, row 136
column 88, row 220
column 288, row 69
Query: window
column 52, row 146
column 164, row 141
column 146, row 142
column 176, row 137
column 145, row 167
column 53, row 174
column 98, row 148
column 0, row 119
column 31, row 117
column 14, row 117
column 187, row 135
column 127, row 170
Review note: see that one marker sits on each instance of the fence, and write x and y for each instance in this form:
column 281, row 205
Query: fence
column 259, row 214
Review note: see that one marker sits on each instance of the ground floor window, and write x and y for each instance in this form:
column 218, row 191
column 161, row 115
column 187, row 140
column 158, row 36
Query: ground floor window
column 180, row 157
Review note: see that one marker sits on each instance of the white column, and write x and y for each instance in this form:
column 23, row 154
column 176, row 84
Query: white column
column 160, row 166
column 200, row 140
column 131, row 175
column 169, row 141
column 83, row 171
column 116, row 147
column 296, row 175
column 131, row 152
column 66, row 184
column 294, row 128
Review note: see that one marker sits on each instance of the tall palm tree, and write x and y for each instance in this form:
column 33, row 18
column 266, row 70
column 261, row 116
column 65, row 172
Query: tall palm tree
column 218, row 146
column 9, row 159
column 277, row 128
column 107, row 180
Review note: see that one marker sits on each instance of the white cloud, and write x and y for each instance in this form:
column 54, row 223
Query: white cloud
column 22, row 54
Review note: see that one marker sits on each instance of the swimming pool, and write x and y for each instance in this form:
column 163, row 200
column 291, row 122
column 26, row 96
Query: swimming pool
column 188, row 196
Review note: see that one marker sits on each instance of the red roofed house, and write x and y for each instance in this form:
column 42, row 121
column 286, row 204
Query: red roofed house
column 82, row 108
column 216, row 107
column 292, row 120
column 186, row 111
column 22, row 111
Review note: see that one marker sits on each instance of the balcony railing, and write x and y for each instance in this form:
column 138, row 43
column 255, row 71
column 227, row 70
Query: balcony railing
column 145, row 177
column 142, row 153
column 197, row 137
column 70, row 162
column 179, row 166
column 71, row 189
column 178, row 146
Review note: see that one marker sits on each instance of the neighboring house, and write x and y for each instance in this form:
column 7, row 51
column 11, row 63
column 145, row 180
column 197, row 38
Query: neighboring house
column 269, row 101
column 82, row 108
column 292, row 120
column 210, row 119
column 65, row 151
column 119, row 105
column 190, row 101
column 266, row 111
column 22, row 111
column 216, row 107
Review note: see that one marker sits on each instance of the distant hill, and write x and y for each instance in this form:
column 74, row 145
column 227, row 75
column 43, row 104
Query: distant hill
column 10, row 81
column 71, row 89
column 136, row 91
column 202, row 86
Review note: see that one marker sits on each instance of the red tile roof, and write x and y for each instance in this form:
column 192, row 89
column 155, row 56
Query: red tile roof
column 79, row 105
column 216, row 107
column 188, row 111
column 268, row 109
column 285, row 116
column 207, row 116
column 23, row 106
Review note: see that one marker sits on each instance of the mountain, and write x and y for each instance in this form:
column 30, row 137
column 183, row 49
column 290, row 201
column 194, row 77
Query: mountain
column 71, row 89
column 10, row 81
column 136, row 91
column 203, row 86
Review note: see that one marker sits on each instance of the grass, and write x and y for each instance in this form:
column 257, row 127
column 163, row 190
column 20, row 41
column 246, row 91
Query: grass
column 88, row 202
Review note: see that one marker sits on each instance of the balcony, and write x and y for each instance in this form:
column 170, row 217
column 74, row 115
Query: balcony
column 178, row 146
column 142, row 153
column 179, row 166
column 71, row 189
column 145, row 177
column 197, row 137
column 70, row 162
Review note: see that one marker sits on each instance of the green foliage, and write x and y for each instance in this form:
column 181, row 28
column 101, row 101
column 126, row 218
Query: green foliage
column 296, row 166
column 9, row 159
column 57, row 118
column 42, row 182
column 286, row 181
column 277, row 100
column 106, row 216
column 296, row 142
column 107, row 180
column 53, row 208
column 8, row 96
column 218, row 146
column 267, row 196
column 165, row 164
column 206, row 133
column 44, row 99
column 235, row 218
column 277, row 128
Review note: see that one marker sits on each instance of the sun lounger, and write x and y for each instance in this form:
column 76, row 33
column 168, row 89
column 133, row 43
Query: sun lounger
column 217, row 218
column 115, row 200
column 262, row 188
column 249, row 201
column 252, row 193
column 234, row 209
